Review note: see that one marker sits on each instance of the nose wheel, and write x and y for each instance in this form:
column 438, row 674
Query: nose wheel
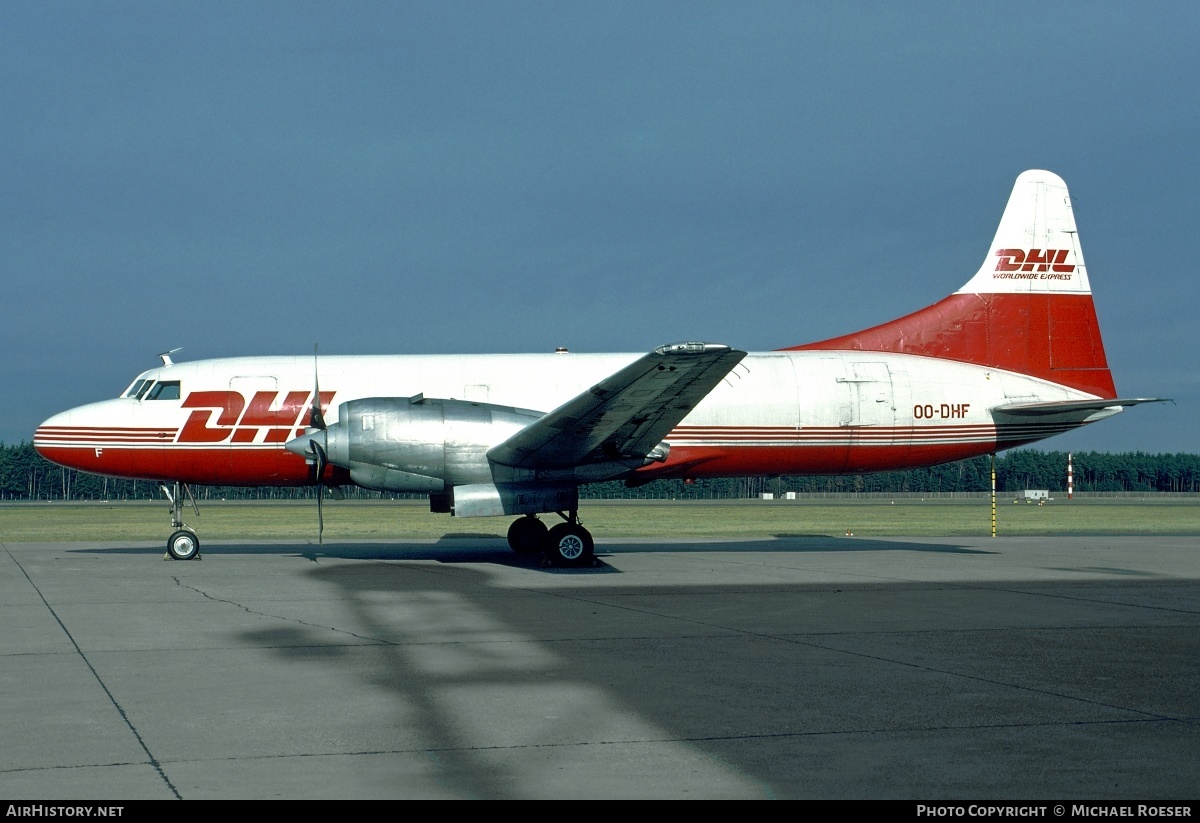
column 183, row 544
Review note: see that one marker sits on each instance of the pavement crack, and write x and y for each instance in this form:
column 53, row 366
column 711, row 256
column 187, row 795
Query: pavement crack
column 292, row 620
column 154, row 762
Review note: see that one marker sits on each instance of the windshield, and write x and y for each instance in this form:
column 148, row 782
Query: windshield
column 139, row 387
column 164, row 390
column 145, row 388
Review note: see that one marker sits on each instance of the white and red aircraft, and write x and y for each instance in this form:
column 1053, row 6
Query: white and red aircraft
column 1012, row 357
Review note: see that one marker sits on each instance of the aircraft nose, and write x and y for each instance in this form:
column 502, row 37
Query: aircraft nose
column 54, row 426
column 55, row 433
column 77, row 437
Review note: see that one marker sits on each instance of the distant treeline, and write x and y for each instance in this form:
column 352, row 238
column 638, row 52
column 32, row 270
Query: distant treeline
column 25, row 475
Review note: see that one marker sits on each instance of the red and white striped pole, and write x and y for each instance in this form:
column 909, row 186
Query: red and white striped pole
column 1070, row 478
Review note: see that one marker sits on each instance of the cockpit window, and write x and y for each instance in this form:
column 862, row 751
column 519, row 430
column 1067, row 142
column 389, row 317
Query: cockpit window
column 133, row 390
column 164, row 390
column 145, row 387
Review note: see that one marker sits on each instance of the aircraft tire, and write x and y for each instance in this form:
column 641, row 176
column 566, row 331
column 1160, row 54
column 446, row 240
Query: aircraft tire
column 570, row 544
column 527, row 535
column 183, row 545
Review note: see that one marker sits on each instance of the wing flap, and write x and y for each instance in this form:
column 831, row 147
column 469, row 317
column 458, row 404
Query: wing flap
column 624, row 416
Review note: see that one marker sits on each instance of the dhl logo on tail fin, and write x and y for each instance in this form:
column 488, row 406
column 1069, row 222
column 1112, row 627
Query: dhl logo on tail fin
column 1031, row 260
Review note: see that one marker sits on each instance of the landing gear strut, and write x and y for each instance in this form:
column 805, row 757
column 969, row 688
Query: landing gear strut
column 183, row 544
column 567, row 544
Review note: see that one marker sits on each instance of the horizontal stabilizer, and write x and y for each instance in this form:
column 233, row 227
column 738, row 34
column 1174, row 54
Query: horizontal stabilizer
column 1061, row 406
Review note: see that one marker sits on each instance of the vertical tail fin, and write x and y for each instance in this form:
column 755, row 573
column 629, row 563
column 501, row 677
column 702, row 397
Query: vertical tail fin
column 1028, row 309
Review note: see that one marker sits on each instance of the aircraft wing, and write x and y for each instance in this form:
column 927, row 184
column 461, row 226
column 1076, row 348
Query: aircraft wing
column 1059, row 406
column 625, row 415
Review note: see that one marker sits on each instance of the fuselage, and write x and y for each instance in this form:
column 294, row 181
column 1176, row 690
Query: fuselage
column 778, row 413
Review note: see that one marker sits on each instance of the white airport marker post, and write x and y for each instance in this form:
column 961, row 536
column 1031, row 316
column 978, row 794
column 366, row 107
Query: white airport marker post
column 1070, row 478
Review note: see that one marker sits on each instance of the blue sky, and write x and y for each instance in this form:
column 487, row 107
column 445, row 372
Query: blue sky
column 407, row 177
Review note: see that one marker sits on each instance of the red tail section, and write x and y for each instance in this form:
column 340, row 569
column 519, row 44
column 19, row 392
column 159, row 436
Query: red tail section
column 1028, row 309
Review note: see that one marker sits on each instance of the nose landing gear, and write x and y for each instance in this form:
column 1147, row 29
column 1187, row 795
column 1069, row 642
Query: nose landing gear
column 183, row 544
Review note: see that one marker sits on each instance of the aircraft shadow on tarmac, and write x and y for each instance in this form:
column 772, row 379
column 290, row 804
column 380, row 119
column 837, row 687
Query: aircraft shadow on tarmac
column 476, row 548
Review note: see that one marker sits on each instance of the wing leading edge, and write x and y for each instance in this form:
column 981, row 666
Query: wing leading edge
column 624, row 416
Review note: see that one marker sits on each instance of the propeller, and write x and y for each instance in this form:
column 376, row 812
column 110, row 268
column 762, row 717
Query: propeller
column 315, row 451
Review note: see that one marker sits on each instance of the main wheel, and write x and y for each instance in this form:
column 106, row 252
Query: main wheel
column 570, row 544
column 183, row 545
column 527, row 535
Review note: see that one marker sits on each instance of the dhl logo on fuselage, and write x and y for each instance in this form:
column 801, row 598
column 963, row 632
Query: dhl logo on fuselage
column 1039, row 260
column 239, row 422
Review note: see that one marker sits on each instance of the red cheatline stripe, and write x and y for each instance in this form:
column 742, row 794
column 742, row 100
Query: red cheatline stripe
column 830, row 435
column 65, row 434
column 101, row 429
column 683, row 435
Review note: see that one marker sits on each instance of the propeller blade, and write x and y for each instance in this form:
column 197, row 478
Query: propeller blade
column 317, row 460
column 316, row 419
column 320, row 516
column 320, row 461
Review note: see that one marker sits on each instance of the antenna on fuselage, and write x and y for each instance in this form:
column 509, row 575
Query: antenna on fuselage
column 166, row 356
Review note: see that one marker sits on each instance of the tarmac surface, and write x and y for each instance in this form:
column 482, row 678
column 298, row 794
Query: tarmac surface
column 802, row 667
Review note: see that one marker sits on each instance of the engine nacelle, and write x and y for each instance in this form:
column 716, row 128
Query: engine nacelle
column 414, row 444
column 493, row 500
column 440, row 447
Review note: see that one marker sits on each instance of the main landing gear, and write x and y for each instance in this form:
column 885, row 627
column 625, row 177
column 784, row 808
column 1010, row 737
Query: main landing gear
column 183, row 544
column 566, row 544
